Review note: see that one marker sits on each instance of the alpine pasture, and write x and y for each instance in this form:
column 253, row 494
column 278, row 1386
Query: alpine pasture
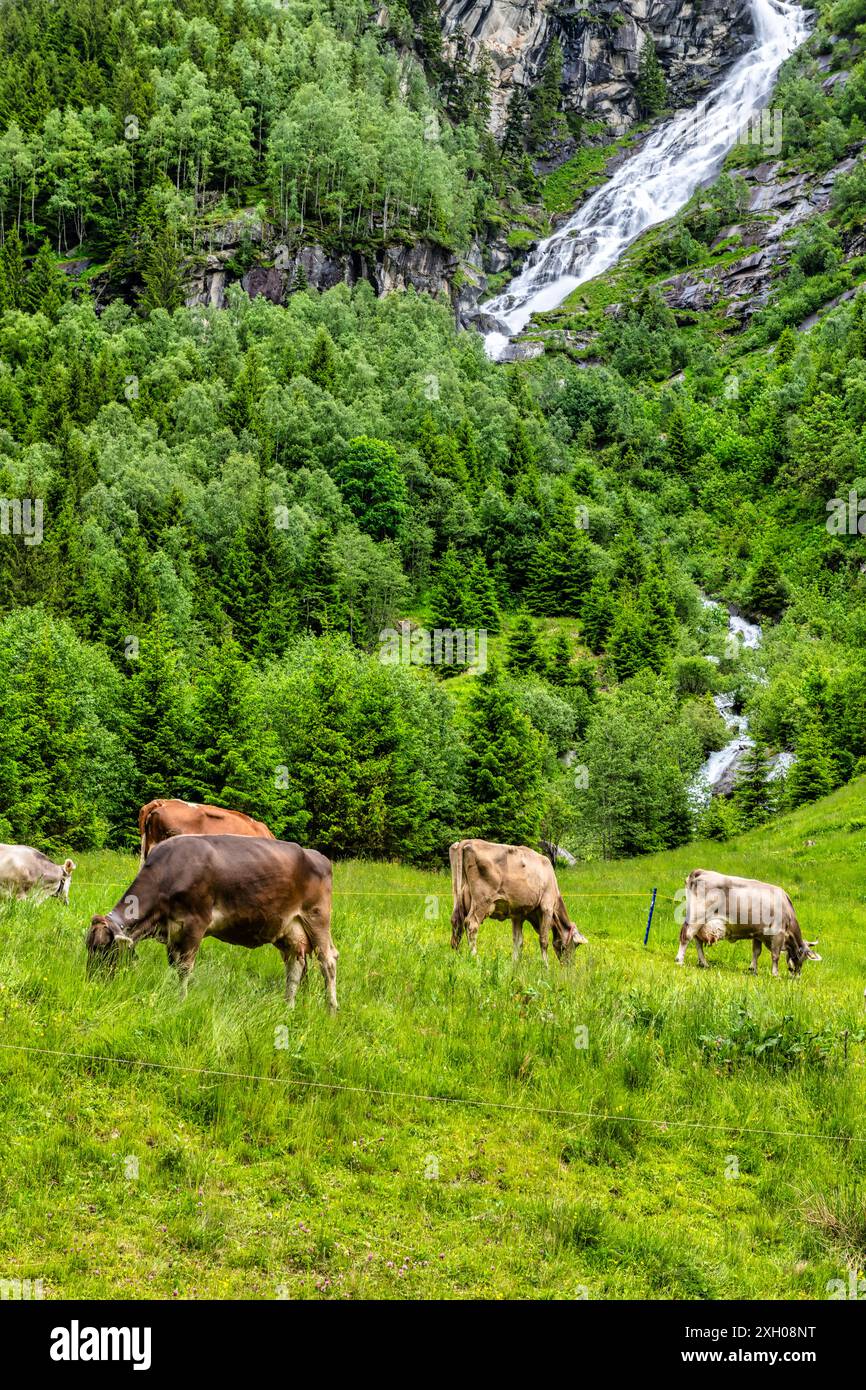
column 462, row 1128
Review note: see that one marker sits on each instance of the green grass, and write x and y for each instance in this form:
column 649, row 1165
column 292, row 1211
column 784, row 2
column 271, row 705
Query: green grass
column 599, row 1168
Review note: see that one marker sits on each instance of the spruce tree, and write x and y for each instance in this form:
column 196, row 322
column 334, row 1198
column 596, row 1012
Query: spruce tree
column 162, row 271
column 449, row 599
column 811, row 774
column 321, row 365
column 481, row 609
column 597, row 614
column 525, row 656
column 767, row 591
column 47, row 287
column 235, row 758
column 12, row 275
column 651, row 88
column 321, row 606
column 560, row 671
column 630, row 644
column 157, row 717
column 503, row 766
column 753, row 793
column 544, row 105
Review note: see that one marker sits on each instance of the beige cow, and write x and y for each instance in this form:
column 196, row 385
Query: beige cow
column 721, row 907
column 500, row 881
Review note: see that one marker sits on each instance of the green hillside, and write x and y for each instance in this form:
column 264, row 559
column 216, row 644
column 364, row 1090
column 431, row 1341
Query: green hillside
column 448, row 1134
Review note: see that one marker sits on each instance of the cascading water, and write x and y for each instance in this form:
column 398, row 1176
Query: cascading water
column 719, row 772
column 684, row 153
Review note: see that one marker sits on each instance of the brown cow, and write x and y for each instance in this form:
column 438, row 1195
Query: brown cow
column 720, row 907
column 246, row 891
column 499, row 881
column 160, row 820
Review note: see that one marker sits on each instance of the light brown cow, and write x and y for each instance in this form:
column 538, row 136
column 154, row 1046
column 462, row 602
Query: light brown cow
column 162, row 820
column 28, row 873
column 499, row 881
column 721, row 907
column 246, row 891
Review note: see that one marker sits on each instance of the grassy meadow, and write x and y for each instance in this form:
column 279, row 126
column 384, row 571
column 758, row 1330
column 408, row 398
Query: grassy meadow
column 448, row 1134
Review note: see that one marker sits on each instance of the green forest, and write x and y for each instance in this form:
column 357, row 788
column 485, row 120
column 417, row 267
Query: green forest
column 211, row 516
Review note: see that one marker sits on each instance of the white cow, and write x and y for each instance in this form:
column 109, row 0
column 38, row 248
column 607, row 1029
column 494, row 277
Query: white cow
column 28, row 873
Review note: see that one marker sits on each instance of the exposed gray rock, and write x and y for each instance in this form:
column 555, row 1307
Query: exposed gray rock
column 778, row 203
column 601, row 46
column 262, row 281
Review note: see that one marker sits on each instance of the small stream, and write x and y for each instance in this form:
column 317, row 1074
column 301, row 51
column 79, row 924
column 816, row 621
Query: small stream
column 719, row 771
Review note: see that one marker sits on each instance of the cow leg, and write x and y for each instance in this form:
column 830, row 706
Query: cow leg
column 296, row 969
column 182, row 949
column 702, row 960
column 544, row 936
column 472, row 934
column 516, row 938
column 328, row 967
column 182, row 959
column 776, row 950
column 756, row 951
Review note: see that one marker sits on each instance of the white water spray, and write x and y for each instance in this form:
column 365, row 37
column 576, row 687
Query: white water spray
column 683, row 154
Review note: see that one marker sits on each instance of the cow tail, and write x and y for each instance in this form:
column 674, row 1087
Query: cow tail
column 684, row 929
column 144, row 816
column 455, row 854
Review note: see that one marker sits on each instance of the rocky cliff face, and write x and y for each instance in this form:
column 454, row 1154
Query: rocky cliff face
column 277, row 271
column 601, row 42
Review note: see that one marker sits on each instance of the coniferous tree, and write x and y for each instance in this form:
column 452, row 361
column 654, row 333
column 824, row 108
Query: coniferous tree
column 47, row 287
column 321, row 606
column 560, row 671
column 651, row 88
column 449, row 599
column 321, row 366
column 598, row 613
column 162, row 271
column 157, row 717
column 811, row 774
column 630, row 645
column 503, row 766
column 753, row 792
column 525, row 655
column 235, row 759
column 544, row 103
column 767, row 590
column 12, row 274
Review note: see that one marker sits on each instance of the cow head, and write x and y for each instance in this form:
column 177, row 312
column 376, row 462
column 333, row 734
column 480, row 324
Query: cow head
column 798, row 951
column 565, row 938
column 107, row 942
column 63, row 885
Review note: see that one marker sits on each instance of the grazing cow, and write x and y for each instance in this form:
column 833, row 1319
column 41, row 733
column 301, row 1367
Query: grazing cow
column 502, row 881
column 720, row 907
column 161, row 820
column 28, row 873
column 245, row 891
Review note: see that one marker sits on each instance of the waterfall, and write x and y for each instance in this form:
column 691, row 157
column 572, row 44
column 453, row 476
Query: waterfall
column 681, row 155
